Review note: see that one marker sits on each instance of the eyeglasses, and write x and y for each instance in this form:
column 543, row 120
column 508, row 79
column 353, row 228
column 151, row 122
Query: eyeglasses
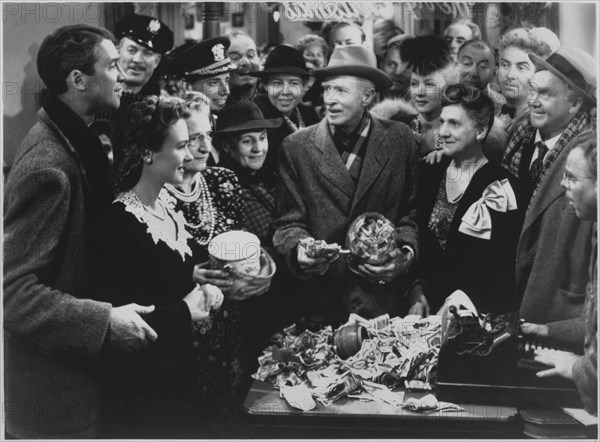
column 456, row 92
column 201, row 136
column 569, row 180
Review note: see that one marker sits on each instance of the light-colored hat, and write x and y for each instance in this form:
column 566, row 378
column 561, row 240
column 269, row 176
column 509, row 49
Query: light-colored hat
column 355, row 61
column 574, row 67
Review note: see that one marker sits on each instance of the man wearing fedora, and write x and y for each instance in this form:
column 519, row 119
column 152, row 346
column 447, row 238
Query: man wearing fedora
column 334, row 171
column 553, row 250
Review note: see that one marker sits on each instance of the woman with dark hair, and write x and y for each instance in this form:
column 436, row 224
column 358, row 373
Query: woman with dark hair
column 146, row 256
column 470, row 211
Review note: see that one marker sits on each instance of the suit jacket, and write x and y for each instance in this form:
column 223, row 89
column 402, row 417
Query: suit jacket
column 52, row 332
column 482, row 268
column 315, row 196
column 552, row 259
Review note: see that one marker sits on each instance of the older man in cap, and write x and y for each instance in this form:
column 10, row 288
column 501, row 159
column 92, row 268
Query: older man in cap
column 334, row 171
column 553, row 251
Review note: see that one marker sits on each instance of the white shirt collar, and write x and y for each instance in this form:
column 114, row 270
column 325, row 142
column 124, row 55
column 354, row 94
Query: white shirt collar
column 550, row 143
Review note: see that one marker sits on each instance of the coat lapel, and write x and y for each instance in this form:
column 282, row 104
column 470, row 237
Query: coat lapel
column 375, row 159
column 331, row 165
column 549, row 191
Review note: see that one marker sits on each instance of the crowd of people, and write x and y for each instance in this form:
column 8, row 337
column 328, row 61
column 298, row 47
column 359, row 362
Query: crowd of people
column 481, row 154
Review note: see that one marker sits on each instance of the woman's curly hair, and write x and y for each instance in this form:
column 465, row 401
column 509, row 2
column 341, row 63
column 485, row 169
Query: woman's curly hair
column 142, row 127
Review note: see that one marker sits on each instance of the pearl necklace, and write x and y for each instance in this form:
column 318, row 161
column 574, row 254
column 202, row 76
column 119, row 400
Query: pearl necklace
column 291, row 124
column 200, row 194
column 459, row 171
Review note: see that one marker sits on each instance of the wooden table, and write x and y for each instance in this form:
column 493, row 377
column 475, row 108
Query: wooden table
column 269, row 416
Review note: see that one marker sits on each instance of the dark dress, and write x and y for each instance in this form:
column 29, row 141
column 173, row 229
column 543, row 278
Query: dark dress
column 217, row 341
column 148, row 393
column 452, row 260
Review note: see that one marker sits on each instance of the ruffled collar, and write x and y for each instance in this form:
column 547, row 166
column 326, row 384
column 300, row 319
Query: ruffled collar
column 134, row 206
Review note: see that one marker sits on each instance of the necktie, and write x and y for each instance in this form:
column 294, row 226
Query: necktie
column 537, row 166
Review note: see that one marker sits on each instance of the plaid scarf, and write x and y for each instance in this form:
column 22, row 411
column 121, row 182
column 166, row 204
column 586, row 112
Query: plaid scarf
column 352, row 146
column 523, row 139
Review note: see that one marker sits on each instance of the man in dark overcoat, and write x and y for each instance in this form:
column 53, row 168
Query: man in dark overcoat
column 334, row 171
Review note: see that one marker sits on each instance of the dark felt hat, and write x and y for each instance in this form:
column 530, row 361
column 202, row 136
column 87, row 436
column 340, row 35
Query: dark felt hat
column 574, row 67
column 146, row 31
column 201, row 60
column 244, row 116
column 283, row 60
column 356, row 61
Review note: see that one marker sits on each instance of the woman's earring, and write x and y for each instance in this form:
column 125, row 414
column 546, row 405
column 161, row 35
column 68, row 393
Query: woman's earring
column 148, row 160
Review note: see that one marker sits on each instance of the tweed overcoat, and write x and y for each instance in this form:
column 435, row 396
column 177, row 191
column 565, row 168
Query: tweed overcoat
column 315, row 196
column 552, row 260
column 52, row 332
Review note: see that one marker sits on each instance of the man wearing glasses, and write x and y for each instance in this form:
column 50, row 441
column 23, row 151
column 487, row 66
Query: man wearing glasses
column 553, row 251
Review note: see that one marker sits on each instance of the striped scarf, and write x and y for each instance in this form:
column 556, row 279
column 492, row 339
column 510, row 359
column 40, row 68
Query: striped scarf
column 524, row 136
column 352, row 147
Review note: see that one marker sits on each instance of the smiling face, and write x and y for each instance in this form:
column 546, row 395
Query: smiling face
column 426, row 92
column 103, row 88
column 476, row 65
column 200, row 144
column 250, row 150
column 515, row 70
column 345, row 101
column 168, row 163
column 244, row 55
column 458, row 132
column 581, row 187
column 550, row 108
column 455, row 35
column 285, row 92
column 215, row 88
column 138, row 62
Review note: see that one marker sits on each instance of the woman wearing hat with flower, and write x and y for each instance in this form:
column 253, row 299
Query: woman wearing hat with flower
column 285, row 78
column 470, row 211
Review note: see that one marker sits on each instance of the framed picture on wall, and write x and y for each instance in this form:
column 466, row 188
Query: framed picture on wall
column 237, row 19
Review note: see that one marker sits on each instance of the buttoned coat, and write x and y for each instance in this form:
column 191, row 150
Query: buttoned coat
column 552, row 260
column 52, row 332
column 315, row 196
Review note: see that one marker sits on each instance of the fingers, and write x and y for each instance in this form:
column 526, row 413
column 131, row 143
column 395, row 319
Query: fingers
column 214, row 297
column 547, row 373
column 149, row 334
column 217, row 278
column 142, row 309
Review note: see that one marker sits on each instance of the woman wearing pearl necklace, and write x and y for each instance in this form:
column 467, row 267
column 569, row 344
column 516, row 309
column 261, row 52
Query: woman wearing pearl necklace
column 470, row 211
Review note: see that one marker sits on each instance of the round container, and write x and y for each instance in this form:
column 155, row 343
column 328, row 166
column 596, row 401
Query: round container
column 237, row 251
column 348, row 340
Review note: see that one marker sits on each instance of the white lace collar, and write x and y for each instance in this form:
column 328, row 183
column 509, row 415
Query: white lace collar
column 134, row 206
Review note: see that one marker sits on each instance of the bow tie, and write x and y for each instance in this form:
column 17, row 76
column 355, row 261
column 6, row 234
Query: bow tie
column 508, row 110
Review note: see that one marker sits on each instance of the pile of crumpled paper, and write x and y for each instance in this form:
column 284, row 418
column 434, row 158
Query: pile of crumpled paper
column 398, row 352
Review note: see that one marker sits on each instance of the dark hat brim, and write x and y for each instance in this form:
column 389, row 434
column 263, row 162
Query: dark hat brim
column 282, row 70
column 381, row 80
column 251, row 124
column 539, row 61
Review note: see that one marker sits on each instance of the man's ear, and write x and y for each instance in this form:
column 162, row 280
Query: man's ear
column 576, row 103
column 77, row 79
column 368, row 97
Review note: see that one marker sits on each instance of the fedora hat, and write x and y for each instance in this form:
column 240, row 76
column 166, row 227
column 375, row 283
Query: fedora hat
column 147, row 31
column 356, row 61
column 200, row 60
column 574, row 67
column 283, row 59
column 244, row 116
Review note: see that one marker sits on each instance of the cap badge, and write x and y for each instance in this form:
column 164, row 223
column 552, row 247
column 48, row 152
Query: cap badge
column 218, row 51
column 153, row 26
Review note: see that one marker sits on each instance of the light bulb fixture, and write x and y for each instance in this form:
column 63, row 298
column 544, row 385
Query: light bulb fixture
column 276, row 16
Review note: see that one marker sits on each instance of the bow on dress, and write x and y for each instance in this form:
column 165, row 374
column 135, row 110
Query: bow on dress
column 477, row 221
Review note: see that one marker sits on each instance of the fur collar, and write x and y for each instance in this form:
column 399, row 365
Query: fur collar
column 392, row 109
